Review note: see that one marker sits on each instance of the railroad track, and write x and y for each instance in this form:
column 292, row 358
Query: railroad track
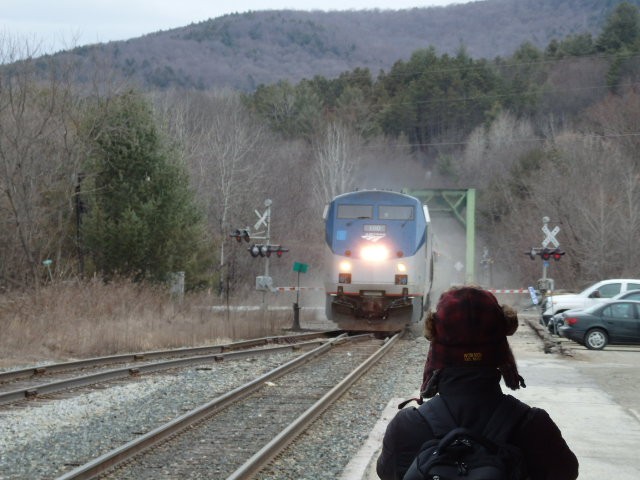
column 239, row 432
column 43, row 380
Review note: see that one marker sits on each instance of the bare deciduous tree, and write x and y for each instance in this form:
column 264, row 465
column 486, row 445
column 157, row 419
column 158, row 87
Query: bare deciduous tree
column 38, row 163
column 221, row 145
column 336, row 162
column 493, row 152
column 591, row 191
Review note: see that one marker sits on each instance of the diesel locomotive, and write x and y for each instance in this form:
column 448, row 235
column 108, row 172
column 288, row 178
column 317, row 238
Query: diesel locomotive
column 379, row 265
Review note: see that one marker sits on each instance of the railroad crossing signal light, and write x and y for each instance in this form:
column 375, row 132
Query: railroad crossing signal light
column 545, row 253
column 261, row 250
column 556, row 253
column 240, row 235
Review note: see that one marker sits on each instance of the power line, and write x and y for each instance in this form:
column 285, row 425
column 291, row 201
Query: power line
column 483, row 64
column 449, row 100
column 511, row 141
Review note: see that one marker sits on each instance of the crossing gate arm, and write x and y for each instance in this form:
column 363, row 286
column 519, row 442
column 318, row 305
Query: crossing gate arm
column 515, row 290
column 295, row 289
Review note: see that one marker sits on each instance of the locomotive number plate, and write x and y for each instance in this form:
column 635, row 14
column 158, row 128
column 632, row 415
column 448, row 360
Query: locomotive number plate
column 375, row 228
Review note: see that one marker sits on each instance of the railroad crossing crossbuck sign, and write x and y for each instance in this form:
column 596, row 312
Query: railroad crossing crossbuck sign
column 550, row 236
column 545, row 251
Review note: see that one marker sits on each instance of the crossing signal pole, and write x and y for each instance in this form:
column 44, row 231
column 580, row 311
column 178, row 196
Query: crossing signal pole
column 264, row 250
column 546, row 253
column 487, row 263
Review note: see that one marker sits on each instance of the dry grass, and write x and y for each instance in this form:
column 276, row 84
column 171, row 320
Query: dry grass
column 78, row 320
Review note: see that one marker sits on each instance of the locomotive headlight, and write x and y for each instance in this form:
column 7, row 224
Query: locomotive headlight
column 374, row 253
column 345, row 266
column 402, row 267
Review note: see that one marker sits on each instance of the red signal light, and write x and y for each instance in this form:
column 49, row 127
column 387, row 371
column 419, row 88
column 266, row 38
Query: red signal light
column 241, row 234
column 545, row 254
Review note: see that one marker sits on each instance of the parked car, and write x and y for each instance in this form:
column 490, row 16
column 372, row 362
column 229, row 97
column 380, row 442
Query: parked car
column 597, row 326
column 558, row 319
column 589, row 296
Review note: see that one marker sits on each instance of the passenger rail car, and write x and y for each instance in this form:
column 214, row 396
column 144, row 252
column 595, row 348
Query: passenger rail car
column 379, row 269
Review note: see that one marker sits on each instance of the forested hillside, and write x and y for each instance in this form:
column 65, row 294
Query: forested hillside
column 243, row 51
column 105, row 180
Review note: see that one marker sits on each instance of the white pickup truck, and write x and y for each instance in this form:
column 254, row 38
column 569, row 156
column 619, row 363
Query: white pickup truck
column 568, row 301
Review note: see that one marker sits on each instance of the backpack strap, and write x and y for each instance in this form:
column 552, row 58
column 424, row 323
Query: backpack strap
column 507, row 416
column 436, row 413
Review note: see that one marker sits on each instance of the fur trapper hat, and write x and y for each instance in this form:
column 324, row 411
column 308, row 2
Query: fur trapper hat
column 469, row 328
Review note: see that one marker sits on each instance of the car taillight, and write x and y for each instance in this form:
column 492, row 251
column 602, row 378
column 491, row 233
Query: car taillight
column 570, row 320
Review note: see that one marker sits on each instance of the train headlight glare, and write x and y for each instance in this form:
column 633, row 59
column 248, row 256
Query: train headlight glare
column 345, row 266
column 402, row 267
column 374, row 253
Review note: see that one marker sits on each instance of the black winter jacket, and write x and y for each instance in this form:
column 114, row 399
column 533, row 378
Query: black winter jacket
column 472, row 394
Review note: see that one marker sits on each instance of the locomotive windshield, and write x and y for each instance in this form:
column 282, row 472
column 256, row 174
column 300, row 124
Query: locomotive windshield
column 357, row 219
column 395, row 212
column 385, row 212
column 355, row 211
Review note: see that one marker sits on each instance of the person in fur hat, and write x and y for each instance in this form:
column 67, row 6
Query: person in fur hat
column 468, row 356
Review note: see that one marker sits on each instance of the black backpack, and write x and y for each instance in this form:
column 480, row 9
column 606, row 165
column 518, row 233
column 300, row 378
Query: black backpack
column 458, row 452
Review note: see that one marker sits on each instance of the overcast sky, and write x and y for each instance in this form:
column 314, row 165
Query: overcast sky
column 63, row 23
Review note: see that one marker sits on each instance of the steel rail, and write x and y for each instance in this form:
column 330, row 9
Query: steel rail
column 125, row 372
column 135, row 357
column 298, row 426
column 132, row 448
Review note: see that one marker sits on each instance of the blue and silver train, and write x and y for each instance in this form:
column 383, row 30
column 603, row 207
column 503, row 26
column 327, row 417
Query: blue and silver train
column 379, row 267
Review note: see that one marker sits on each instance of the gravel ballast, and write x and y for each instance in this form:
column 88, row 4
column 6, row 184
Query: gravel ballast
column 58, row 434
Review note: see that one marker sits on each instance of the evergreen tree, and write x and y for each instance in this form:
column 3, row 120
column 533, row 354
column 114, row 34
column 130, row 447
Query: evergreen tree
column 429, row 97
column 142, row 219
column 621, row 31
column 293, row 111
column 572, row 46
